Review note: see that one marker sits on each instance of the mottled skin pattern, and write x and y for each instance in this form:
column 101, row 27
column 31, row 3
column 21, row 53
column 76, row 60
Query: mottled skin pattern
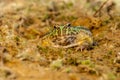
column 68, row 36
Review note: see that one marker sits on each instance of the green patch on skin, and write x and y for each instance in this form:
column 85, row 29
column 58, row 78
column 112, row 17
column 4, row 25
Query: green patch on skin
column 63, row 30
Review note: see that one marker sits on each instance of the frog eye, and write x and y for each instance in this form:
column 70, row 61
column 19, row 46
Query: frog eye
column 55, row 27
column 68, row 25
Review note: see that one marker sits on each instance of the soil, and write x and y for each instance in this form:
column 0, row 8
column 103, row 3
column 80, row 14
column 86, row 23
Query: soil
column 24, row 22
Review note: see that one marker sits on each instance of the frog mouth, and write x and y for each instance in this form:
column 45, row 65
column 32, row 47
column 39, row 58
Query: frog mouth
column 67, row 46
column 70, row 42
column 64, row 41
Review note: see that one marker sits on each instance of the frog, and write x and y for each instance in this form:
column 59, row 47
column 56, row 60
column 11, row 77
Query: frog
column 68, row 36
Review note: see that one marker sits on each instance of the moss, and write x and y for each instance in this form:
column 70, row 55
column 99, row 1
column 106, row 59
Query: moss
column 56, row 64
column 111, row 76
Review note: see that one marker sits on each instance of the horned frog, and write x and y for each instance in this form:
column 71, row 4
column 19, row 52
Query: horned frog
column 68, row 36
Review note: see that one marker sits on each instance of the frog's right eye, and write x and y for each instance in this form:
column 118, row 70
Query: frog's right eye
column 68, row 25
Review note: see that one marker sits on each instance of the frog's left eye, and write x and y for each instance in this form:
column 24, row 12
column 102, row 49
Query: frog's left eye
column 55, row 27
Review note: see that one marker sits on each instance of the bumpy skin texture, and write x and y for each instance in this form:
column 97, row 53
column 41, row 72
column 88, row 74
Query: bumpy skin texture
column 68, row 36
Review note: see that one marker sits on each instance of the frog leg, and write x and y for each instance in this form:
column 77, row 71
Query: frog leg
column 81, row 48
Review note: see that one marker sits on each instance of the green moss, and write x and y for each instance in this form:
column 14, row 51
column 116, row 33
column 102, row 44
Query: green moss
column 45, row 50
column 70, row 4
column 110, row 52
column 86, row 62
column 111, row 76
column 56, row 64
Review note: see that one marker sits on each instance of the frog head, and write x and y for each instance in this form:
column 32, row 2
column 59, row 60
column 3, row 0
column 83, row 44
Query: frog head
column 67, row 29
column 61, row 30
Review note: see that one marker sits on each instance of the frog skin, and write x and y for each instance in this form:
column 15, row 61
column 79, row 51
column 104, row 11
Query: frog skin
column 68, row 36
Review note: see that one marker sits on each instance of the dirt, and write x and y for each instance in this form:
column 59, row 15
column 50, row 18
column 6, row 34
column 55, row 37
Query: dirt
column 24, row 22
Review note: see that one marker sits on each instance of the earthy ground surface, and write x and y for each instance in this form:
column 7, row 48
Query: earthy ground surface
column 24, row 22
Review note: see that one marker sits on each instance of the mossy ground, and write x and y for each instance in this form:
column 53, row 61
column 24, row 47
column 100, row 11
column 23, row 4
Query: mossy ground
column 24, row 22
